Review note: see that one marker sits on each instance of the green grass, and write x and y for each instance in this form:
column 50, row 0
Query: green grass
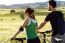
column 10, row 23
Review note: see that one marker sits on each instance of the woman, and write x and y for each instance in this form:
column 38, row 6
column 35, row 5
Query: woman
column 30, row 25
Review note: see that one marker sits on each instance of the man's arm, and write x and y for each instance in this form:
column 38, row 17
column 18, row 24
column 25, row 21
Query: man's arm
column 48, row 17
column 42, row 25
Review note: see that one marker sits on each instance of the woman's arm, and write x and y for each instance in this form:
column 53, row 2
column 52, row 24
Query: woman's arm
column 25, row 23
column 16, row 34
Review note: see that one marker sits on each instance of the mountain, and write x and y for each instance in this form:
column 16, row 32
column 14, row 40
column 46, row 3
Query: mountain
column 61, row 3
column 32, row 5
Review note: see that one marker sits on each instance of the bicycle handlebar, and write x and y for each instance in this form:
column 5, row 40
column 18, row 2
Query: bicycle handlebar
column 45, row 32
column 19, row 39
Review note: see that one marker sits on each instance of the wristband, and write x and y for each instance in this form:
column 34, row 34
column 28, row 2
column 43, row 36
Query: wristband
column 21, row 29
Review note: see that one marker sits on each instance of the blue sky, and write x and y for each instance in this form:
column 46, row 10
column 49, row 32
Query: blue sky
column 8, row 2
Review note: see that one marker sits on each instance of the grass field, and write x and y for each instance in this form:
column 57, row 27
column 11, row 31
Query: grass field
column 10, row 23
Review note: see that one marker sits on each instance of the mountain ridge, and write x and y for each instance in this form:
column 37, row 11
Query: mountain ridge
column 32, row 5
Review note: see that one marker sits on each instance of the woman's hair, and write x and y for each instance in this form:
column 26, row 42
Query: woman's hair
column 30, row 12
column 53, row 3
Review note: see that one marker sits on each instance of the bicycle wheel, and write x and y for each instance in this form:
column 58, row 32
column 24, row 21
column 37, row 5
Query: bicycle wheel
column 44, row 39
column 41, row 37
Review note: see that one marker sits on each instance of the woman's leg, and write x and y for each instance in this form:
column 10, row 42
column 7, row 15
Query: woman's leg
column 37, row 40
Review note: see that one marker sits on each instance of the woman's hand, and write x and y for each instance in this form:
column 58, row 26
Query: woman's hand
column 15, row 35
column 13, row 38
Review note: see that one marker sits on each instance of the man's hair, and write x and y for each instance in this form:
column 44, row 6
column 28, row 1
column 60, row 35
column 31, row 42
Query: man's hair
column 53, row 3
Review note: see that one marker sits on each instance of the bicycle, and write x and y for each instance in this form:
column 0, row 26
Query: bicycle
column 44, row 35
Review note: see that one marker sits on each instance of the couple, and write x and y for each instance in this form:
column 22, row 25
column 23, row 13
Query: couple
column 56, row 20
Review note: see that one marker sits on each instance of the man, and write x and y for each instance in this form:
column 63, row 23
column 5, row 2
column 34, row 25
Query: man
column 57, row 22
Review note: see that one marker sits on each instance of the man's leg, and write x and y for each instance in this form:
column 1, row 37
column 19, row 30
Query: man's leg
column 58, row 39
column 53, row 40
column 64, row 38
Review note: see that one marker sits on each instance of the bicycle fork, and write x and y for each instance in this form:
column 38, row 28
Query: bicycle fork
column 44, row 41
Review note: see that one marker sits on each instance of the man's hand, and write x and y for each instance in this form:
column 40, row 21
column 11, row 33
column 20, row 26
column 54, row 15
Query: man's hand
column 37, row 30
